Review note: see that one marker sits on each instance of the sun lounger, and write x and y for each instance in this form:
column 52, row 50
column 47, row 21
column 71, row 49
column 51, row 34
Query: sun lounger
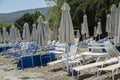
column 27, row 61
column 71, row 57
column 51, row 64
column 96, row 55
column 74, row 55
column 101, row 63
column 111, row 68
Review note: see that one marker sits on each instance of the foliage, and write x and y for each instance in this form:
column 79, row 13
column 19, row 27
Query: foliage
column 36, row 15
column 96, row 10
column 7, row 25
column 29, row 18
column 25, row 18
column 55, row 12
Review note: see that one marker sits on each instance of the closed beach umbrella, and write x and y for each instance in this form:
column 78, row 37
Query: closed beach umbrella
column 26, row 32
column 95, row 31
column 4, row 34
column 78, row 34
column 18, row 36
column 46, row 25
column 12, row 34
column 66, row 27
column 85, row 25
column 1, row 37
column 34, row 32
column 8, row 36
column 108, row 25
column 83, row 31
column 99, row 30
column 113, row 14
column 118, row 24
column 55, row 32
column 41, row 33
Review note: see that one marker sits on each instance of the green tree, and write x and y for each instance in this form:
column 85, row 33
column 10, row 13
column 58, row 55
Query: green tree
column 25, row 18
column 35, row 16
column 29, row 18
column 7, row 25
column 96, row 10
column 55, row 12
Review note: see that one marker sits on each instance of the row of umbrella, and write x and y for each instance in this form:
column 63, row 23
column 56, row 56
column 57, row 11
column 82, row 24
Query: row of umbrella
column 85, row 30
column 39, row 33
column 12, row 37
column 113, row 23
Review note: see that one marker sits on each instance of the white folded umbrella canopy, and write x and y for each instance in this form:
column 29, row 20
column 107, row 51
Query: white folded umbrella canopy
column 78, row 34
column 55, row 32
column 116, row 26
column 18, row 35
column 34, row 32
column 41, row 33
column 12, row 34
column 83, row 31
column 113, row 14
column 66, row 27
column 118, row 23
column 85, row 24
column 26, row 32
column 95, row 31
column 1, row 40
column 46, row 25
column 8, row 37
column 5, row 36
column 99, row 29
column 108, row 25
column 84, row 28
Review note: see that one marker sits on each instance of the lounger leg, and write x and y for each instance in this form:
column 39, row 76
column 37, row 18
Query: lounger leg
column 63, row 65
column 98, row 59
column 70, row 68
column 77, row 75
column 72, row 73
column 112, row 74
column 52, row 68
column 83, row 59
column 98, row 75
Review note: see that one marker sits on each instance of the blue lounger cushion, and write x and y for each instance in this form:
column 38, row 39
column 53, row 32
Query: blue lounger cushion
column 118, row 48
column 35, row 60
column 27, row 61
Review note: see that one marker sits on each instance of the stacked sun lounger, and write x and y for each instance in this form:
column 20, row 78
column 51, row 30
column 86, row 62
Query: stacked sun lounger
column 35, row 60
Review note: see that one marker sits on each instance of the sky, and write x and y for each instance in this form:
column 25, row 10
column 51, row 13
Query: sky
column 7, row 6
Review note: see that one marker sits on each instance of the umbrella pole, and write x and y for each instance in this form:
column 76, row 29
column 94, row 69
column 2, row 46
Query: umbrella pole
column 40, row 55
column 99, row 36
column 108, row 34
column 95, row 38
column 84, row 36
column 67, row 57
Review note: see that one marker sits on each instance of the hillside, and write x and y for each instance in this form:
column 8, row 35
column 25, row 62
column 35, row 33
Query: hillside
column 11, row 17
